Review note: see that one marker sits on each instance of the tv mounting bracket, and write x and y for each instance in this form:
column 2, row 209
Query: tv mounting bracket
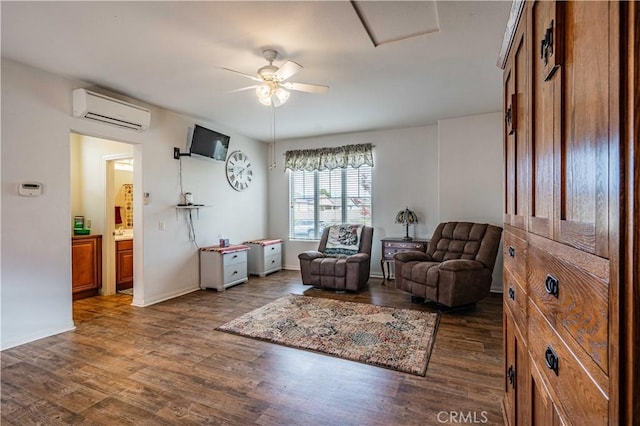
column 177, row 154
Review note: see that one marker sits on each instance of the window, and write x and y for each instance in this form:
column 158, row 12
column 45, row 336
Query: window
column 328, row 197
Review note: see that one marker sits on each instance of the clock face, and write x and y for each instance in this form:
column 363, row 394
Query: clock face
column 239, row 170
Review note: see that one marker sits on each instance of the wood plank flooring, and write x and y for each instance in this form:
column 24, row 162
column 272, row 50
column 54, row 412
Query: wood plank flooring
column 166, row 365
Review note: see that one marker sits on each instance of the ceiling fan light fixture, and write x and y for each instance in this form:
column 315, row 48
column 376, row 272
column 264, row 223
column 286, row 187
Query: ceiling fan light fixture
column 263, row 91
column 265, row 101
column 282, row 95
column 273, row 90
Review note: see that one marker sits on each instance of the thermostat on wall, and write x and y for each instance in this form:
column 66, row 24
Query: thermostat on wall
column 30, row 189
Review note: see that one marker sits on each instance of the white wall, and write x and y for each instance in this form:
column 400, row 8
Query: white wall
column 405, row 173
column 448, row 172
column 36, row 237
column 471, row 168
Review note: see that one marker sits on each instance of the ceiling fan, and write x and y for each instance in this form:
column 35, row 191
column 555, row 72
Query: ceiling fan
column 272, row 88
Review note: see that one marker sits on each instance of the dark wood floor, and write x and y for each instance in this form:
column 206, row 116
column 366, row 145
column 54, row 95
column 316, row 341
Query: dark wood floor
column 165, row 364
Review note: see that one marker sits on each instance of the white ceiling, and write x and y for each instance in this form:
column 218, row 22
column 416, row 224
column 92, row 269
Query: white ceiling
column 170, row 53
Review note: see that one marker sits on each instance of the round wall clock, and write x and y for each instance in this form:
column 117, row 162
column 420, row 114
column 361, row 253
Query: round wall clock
column 239, row 170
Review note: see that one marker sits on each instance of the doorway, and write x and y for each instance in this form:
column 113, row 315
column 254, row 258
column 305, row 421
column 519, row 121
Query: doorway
column 119, row 193
column 101, row 169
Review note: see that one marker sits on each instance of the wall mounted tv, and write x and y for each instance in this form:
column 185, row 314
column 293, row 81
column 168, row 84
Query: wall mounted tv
column 209, row 144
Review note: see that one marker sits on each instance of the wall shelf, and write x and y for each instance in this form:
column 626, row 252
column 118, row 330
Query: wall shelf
column 195, row 207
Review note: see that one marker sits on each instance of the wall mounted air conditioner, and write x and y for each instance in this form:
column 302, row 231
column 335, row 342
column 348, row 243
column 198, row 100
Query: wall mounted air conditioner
column 94, row 106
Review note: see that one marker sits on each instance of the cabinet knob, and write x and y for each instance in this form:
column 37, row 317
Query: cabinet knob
column 512, row 293
column 551, row 285
column 551, row 359
column 512, row 251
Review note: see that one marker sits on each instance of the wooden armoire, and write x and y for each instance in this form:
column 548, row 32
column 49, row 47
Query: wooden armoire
column 571, row 218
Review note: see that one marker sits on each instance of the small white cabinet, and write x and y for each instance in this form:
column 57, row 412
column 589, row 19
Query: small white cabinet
column 223, row 267
column 265, row 256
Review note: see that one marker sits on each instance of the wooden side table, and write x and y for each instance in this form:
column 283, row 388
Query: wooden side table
column 391, row 246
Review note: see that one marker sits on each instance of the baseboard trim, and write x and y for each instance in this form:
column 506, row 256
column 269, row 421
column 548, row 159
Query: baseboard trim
column 37, row 336
column 142, row 303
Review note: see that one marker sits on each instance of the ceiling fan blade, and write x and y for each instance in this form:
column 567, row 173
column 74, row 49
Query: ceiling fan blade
column 242, row 89
column 309, row 88
column 287, row 70
column 252, row 77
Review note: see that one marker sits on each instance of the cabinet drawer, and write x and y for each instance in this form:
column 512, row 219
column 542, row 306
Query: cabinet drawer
column 272, row 249
column 391, row 247
column 515, row 299
column 272, row 261
column 235, row 272
column 574, row 301
column 582, row 399
column 404, row 245
column 233, row 258
column 515, row 257
column 389, row 252
column 124, row 245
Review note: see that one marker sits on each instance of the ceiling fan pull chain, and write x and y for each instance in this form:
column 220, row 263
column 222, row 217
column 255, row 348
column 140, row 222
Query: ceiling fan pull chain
column 273, row 138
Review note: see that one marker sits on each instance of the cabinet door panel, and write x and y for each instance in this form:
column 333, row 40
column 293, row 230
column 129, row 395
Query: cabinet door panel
column 516, row 384
column 543, row 125
column 509, row 146
column 521, row 108
column 516, row 107
column 84, row 265
column 543, row 410
column 124, row 271
column 584, row 148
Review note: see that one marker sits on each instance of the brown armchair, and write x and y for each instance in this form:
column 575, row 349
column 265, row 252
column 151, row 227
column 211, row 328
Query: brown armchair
column 457, row 268
column 346, row 272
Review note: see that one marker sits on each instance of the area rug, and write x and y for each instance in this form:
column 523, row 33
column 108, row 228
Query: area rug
column 399, row 339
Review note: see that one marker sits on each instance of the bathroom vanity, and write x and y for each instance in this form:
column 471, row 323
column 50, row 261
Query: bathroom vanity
column 86, row 265
column 124, row 263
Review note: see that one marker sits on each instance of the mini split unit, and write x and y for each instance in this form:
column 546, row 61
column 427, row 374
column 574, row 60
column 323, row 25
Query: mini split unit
column 97, row 107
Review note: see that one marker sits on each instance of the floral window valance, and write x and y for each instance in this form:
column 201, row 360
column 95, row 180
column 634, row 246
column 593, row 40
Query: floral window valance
column 329, row 158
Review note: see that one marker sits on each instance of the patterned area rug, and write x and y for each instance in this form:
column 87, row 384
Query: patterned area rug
column 399, row 339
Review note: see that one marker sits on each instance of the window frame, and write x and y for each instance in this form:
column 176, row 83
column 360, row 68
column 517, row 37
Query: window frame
column 344, row 198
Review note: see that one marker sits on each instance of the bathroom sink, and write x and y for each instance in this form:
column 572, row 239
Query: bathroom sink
column 127, row 234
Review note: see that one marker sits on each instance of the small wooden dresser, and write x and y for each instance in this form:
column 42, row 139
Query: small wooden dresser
column 391, row 246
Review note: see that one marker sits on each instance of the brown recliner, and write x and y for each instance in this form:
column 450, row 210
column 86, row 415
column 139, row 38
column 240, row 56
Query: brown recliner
column 456, row 270
column 338, row 273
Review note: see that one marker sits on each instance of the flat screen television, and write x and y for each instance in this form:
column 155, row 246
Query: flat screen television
column 209, row 144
